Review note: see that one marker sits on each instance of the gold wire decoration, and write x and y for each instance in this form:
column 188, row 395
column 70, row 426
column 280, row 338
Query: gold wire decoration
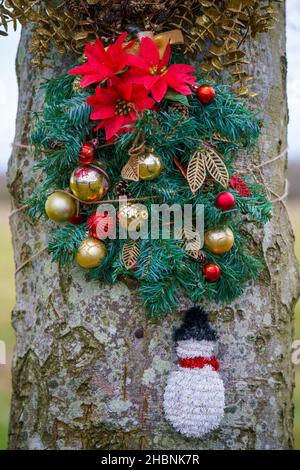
column 130, row 254
column 206, row 160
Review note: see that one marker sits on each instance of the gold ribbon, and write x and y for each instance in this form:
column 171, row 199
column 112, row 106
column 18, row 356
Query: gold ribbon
column 174, row 36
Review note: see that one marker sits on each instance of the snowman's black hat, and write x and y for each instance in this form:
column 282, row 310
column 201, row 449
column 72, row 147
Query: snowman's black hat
column 195, row 326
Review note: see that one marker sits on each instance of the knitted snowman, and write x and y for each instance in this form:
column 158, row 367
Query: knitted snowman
column 194, row 396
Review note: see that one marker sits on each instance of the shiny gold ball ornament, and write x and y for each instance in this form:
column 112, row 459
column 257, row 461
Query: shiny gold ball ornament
column 149, row 165
column 90, row 253
column 89, row 183
column 219, row 241
column 132, row 216
column 60, row 206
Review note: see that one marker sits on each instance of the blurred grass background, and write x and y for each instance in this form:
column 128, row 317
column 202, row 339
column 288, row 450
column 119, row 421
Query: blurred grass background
column 7, row 295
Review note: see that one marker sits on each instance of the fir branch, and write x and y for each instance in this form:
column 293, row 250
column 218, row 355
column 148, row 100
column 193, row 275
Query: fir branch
column 65, row 241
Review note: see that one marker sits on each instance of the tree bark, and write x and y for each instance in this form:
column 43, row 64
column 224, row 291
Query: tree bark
column 83, row 378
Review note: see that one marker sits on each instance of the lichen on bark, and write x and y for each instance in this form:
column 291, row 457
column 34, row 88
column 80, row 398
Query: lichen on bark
column 83, row 378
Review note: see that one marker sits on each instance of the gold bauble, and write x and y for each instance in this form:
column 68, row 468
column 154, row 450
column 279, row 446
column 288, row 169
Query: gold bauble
column 89, row 183
column 150, row 166
column 132, row 216
column 219, row 241
column 91, row 253
column 60, row 206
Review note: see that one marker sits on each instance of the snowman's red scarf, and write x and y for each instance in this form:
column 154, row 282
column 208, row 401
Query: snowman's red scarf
column 199, row 362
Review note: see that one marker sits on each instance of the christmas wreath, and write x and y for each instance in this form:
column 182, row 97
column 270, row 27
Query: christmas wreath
column 133, row 126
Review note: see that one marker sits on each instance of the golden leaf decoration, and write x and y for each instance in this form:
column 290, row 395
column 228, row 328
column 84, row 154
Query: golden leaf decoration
column 130, row 254
column 131, row 170
column 196, row 172
column 206, row 160
column 216, row 167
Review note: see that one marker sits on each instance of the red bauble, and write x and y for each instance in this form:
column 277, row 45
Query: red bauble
column 205, row 94
column 101, row 224
column 237, row 183
column 212, row 272
column 225, row 201
column 87, row 153
column 76, row 219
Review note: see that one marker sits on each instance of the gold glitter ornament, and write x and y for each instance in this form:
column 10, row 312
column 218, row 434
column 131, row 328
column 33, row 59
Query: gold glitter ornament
column 90, row 253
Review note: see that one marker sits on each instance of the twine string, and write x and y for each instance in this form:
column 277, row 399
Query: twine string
column 138, row 145
column 31, row 259
column 258, row 168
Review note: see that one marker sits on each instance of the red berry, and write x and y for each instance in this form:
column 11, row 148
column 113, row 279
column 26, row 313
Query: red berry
column 87, row 153
column 76, row 219
column 205, row 94
column 225, row 201
column 212, row 272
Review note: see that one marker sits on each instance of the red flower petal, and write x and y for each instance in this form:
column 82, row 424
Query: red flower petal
column 181, row 68
column 101, row 64
column 78, row 70
column 103, row 96
column 117, row 46
column 112, row 126
column 141, row 99
column 150, row 80
column 90, row 79
column 179, row 81
column 166, row 57
column 180, row 88
column 159, row 90
column 95, row 50
column 133, row 115
column 102, row 112
column 135, row 79
column 149, row 51
column 128, row 121
column 136, row 61
column 124, row 90
column 129, row 44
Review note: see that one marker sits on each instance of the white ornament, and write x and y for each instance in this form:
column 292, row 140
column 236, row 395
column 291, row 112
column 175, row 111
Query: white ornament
column 194, row 397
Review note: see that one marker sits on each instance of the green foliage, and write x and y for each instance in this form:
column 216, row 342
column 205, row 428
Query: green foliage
column 65, row 242
column 164, row 271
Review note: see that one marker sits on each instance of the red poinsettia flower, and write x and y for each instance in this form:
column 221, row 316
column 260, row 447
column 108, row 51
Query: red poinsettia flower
column 117, row 106
column 102, row 63
column 155, row 74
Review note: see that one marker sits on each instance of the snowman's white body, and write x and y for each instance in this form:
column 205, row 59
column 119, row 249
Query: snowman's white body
column 194, row 398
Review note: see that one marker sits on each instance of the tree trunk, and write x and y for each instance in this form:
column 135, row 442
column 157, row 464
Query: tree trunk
column 83, row 378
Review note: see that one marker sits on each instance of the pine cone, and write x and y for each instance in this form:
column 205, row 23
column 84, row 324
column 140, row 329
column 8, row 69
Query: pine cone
column 202, row 257
column 208, row 185
column 182, row 109
column 121, row 189
column 75, row 8
column 54, row 144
